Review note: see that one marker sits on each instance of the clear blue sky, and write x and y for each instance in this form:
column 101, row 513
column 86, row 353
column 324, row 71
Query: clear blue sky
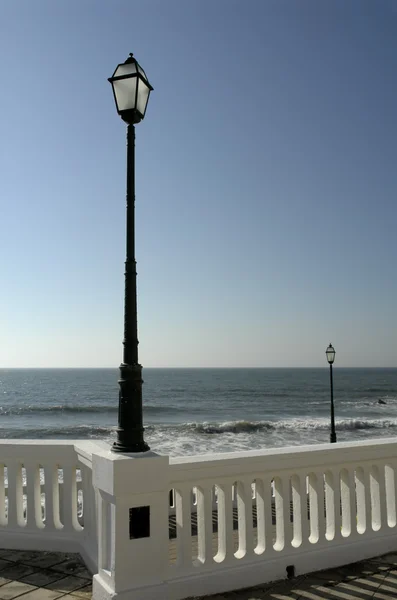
column 266, row 182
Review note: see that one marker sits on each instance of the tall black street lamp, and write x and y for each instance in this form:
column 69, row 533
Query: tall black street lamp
column 131, row 90
column 330, row 353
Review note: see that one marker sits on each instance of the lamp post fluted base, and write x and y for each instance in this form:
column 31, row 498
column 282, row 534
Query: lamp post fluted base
column 333, row 438
column 130, row 449
column 130, row 429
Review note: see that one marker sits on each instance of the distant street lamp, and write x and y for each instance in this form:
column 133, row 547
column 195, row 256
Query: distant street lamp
column 330, row 353
column 131, row 90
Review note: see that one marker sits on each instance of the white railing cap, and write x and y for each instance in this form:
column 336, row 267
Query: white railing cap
column 273, row 460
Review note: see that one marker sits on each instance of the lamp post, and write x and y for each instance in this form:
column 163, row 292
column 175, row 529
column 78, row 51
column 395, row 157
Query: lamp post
column 131, row 90
column 330, row 354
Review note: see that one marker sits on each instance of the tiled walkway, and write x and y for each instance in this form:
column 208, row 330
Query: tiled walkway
column 28, row 575
column 371, row 579
column 43, row 576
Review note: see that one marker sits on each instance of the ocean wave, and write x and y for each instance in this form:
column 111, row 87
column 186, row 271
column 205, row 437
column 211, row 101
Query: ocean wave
column 79, row 408
column 191, row 430
column 72, row 432
column 293, row 424
column 254, row 393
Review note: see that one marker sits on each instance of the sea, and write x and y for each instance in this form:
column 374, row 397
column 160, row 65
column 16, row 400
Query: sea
column 200, row 411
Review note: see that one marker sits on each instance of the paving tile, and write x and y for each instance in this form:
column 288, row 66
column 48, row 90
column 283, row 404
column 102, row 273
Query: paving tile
column 279, row 593
column 3, row 553
column 16, row 571
column 360, row 569
column 71, row 597
column 22, row 555
column 255, row 593
column 3, row 580
column 383, row 567
column 310, row 581
column 347, row 573
column 47, row 559
column 365, row 583
column 67, row 584
column 382, row 596
column 12, row 590
column 329, row 593
column 242, row 595
column 392, row 573
column 359, row 588
column 85, row 592
column 390, row 579
column 41, row 594
column 217, row 597
column 387, row 589
column 73, row 566
column 330, row 577
column 84, row 574
column 390, row 558
column 41, row 578
column 4, row 564
column 278, row 596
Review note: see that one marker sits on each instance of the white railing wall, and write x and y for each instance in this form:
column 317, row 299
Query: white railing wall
column 242, row 519
column 47, row 500
column 237, row 520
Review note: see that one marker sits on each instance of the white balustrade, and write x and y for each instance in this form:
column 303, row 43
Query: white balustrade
column 239, row 519
column 312, row 508
column 39, row 497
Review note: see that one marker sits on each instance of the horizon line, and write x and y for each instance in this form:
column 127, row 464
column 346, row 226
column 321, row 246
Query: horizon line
column 193, row 367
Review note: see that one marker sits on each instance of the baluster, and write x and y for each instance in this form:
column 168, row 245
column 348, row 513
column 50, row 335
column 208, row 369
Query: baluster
column 204, row 524
column 375, row 498
column 89, row 506
column 244, row 512
column 383, row 496
column 288, row 533
column 225, row 523
column 51, row 490
column 183, row 508
column 282, row 511
column 314, row 508
column 361, row 500
column 347, row 516
column 34, row 517
column 305, row 511
column 260, row 515
column 390, row 494
column 353, row 502
column 3, row 520
column 368, row 499
column 297, row 510
column 321, row 504
column 337, row 503
column 330, row 507
column 270, row 530
column 69, row 493
column 15, row 495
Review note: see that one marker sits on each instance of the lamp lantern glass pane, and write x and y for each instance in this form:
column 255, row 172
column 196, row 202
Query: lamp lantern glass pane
column 330, row 353
column 125, row 69
column 142, row 97
column 125, row 93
